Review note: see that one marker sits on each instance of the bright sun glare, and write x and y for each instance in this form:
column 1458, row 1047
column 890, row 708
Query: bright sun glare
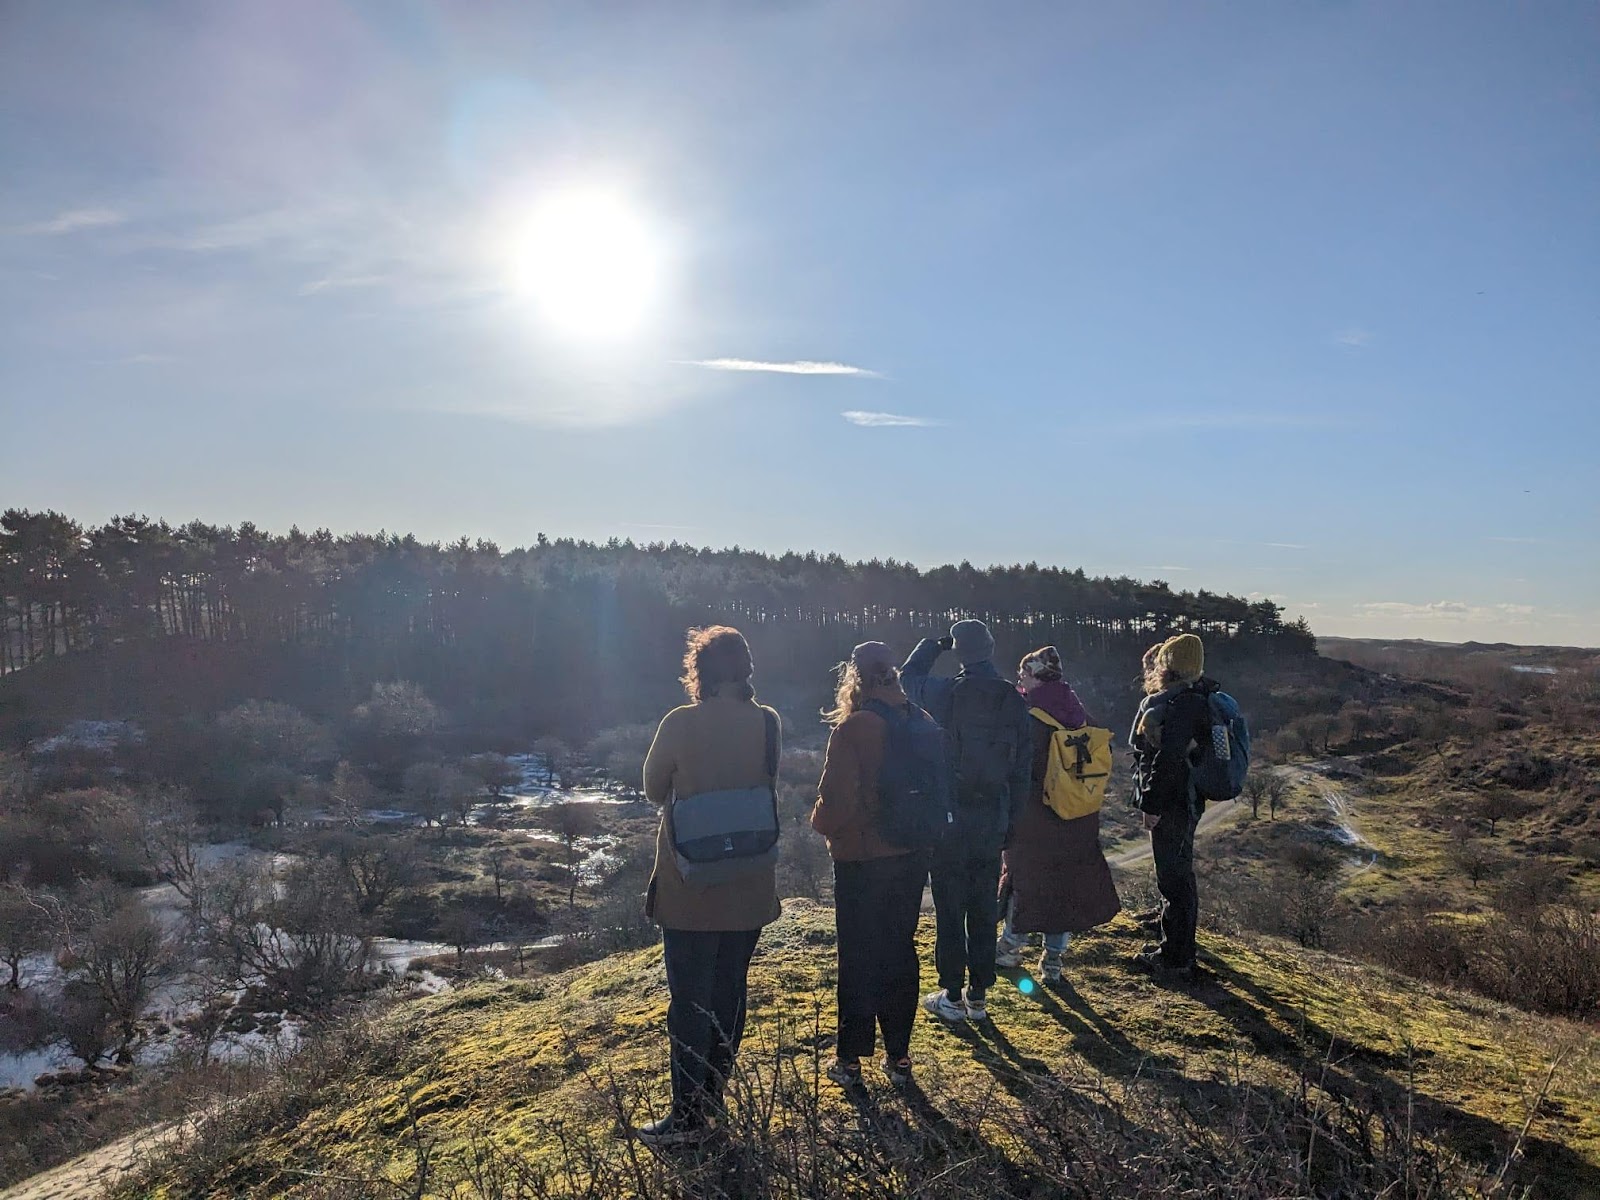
column 589, row 261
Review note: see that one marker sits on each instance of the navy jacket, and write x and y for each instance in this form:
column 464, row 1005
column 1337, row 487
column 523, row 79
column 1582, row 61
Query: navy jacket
column 934, row 695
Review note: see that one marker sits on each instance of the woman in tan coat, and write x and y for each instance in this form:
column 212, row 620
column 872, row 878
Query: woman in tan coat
column 718, row 742
column 877, row 886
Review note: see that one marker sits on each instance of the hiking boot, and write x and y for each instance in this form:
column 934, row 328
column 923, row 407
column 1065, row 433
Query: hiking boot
column 672, row 1131
column 1008, row 957
column 897, row 1069
column 1152, row 959
column 846, row 1073
column 1050, row 967
column 976, row 1009
column 942, row 1006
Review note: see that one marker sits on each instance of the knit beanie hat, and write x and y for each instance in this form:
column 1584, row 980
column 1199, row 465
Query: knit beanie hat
column 1044, row 664
column 1184, row 656
column 974, row 642
column 872, row 658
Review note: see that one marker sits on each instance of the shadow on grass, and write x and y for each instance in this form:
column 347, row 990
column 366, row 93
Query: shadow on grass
column 1352, row 1071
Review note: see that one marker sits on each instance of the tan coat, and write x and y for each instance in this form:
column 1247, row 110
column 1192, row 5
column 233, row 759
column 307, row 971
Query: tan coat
column 720, row 743
column 846, row 809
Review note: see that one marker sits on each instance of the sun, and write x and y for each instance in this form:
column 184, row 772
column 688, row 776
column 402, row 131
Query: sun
column 589, row 261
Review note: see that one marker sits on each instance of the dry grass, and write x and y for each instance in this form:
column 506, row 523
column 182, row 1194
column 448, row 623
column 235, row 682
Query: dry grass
column 1291, row 1074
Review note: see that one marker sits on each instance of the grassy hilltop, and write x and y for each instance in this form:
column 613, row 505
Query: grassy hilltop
column 1291, row 1073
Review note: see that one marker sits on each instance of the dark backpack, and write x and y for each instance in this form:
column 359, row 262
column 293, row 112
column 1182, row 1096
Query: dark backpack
column 1220, row 765
column 914, row 781
column 983, row 731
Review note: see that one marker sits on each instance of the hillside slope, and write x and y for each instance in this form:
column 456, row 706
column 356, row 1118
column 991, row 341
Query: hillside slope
column 520, row 1086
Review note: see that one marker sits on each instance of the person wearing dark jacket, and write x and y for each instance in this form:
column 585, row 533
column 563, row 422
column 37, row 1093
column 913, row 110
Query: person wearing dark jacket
column 708, row 931
column 1054, row 881
column 991, row 740
column 1173, row 719
column 877, row 886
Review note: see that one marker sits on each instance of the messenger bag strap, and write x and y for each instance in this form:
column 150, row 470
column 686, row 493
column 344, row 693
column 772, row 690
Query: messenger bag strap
column 772, row 745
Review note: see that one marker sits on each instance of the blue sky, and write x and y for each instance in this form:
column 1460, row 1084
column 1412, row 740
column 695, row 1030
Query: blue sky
column 1294, row 300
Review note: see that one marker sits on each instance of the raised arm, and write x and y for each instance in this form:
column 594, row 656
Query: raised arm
column 921, row 688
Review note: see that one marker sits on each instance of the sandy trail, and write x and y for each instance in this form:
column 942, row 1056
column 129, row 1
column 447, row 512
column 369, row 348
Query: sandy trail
column 1214, row 815
column 90, row 1174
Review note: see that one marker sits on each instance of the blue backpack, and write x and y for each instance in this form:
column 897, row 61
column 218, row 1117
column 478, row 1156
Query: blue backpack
column 1220, row 767
column 914, row 781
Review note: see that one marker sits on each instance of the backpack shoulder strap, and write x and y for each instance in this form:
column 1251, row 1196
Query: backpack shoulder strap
column 772, row 744
column 1041, row 715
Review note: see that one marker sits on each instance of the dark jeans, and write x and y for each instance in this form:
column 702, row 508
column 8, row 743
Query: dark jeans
column 966, row 901
column 1172, row 846
column 876, row 906
column 706, row 978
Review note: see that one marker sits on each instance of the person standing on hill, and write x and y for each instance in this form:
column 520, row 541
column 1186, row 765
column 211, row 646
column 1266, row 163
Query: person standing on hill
column 1173, row 720
column 877, row 884
column 990, row 739
column 722, row 742
column 1055, row 880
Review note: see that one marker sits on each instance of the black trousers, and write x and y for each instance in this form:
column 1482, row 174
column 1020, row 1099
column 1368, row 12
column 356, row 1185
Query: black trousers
column 966, row 901
column 1172, row 846
column 706, row 975
column 876, row 906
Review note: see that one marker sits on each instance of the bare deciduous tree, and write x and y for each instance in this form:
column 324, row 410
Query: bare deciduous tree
column 377, row 866
column 1473, row 858
column 171, row 843
column 118, row 946
column 1277, row 794
column 571, row 823
column 1498, row 805
column 27, row 927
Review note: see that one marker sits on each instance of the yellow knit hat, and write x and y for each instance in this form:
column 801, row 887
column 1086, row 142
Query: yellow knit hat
column 1184, row 656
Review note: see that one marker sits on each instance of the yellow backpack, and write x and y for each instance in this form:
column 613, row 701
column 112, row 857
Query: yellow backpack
column 1077, row 770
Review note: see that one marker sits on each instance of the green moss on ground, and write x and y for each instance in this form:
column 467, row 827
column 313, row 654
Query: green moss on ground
column 509, row 1061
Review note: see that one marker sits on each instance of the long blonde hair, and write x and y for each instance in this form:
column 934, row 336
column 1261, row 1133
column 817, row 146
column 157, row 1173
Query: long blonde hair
column 1157, row 678
column 852, row 689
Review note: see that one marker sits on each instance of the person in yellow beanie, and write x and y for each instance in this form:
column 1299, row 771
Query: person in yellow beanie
column 1174, row 718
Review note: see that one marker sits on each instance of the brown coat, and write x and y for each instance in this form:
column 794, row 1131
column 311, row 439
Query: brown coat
column 847, row 802
column 1054, row 868
column 720, row 743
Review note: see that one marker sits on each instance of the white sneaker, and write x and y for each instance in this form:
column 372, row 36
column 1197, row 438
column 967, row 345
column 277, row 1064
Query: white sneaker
column 976, row 1009
column 1050, row 967
column 1008, row 958
column 942, row 1006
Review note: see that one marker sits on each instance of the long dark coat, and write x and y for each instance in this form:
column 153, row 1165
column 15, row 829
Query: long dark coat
column 1054, row 868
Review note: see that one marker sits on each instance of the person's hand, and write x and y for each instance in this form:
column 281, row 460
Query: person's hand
column 946, row 642
column 1151, row 820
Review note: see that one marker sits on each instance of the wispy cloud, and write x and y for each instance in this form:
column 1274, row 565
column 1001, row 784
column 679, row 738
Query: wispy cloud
column 73, row 220
column 883, row 420
column 1519, row 541
column 1354, row 338
column 1286, row 546
column 798, row 367
column 1444, row 610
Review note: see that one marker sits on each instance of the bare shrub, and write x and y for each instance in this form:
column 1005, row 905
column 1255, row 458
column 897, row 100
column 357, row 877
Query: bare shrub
column 1028, row 1136
column 119, row 949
